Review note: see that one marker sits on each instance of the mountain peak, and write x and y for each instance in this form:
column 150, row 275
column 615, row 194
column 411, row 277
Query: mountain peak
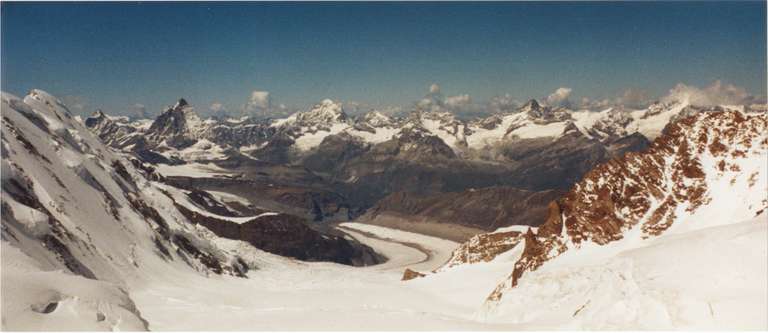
column 181, row 103
column 377, row 119
column 327, row 111
column 532, row 104
column 98, row 114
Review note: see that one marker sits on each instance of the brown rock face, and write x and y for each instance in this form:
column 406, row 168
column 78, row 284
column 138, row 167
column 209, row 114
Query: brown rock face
column 646, row 190
column 483, row 248
column 410, row 274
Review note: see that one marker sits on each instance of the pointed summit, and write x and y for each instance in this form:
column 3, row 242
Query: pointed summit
column 531, row 105
column 181, row 103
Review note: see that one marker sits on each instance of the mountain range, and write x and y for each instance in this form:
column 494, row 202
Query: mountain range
column 543, row 217
column 325, row 165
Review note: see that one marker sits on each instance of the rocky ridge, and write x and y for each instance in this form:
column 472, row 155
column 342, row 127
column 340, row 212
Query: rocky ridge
column 669, row 188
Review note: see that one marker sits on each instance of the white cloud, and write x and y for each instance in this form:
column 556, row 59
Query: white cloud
column 260, row 100
column 217, row 107
column 458, row 101
column 717, row 93
column 460, row 105
column 503, row 104
column 434, row 88
column 559, row 97
column 596, row 104
column 433, row 101
column 632, row 98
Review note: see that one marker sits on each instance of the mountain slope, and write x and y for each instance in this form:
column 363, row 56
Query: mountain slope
column 81, row 224
column 676, row 184
column 702, row 175
column 712, row 278
column 485, row 209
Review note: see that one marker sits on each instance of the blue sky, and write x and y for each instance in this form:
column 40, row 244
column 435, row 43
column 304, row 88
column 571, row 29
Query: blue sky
column 114, row 55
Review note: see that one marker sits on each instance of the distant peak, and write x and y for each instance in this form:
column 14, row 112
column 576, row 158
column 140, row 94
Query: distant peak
column 532, row 104
column 376, row 118
column 325, row 112
column 327, row 106
column 181, row 103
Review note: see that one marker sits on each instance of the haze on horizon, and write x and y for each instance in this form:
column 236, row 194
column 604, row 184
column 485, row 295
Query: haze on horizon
column 278, row 57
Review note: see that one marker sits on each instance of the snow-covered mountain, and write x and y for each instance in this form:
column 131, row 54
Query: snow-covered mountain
column 81, row 223
column 84, row 225
column 648, row 240
column 180, row 128
column 531, row 121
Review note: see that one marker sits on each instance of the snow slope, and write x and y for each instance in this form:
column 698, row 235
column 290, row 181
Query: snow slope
column 290, row 295
column 36, row 299
column 81, row 225
column 714, row 278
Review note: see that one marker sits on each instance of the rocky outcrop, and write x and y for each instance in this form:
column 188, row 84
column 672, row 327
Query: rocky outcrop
column 410, row 274
column 484, row 247
column 668, row 186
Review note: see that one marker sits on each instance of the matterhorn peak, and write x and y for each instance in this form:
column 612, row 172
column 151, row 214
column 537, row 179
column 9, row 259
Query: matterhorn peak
column 181, row 103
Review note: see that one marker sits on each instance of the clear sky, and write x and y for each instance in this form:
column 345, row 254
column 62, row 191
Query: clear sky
column 114, row 55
